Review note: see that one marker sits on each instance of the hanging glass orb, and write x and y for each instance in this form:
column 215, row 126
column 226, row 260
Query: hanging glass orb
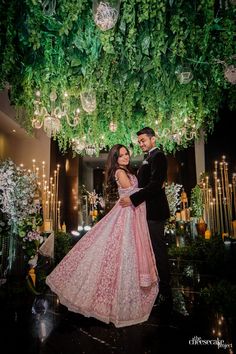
column 105, row 13
column 88, row 101
column 134, row 138
column 184, row 74
column 78, row 145
column 52, row 125
column 49, row 7
column 113, row 126
column 230, row 74
column 90, row 150
column 53, row 96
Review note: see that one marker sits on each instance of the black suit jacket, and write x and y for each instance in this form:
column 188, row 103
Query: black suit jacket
column 151, row 177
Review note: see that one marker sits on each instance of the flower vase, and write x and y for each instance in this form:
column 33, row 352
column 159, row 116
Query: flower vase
column 201, row 228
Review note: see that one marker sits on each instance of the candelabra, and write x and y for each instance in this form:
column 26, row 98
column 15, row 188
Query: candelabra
column 220, row 200
column 51, row 206
column 51, row 119
column 182, row 130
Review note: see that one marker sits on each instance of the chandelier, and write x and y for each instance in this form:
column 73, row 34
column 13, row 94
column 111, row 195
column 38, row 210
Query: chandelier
column 51, row 120
column 185, row 130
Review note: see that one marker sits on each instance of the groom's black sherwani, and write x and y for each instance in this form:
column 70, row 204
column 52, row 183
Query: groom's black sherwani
column 151, row 178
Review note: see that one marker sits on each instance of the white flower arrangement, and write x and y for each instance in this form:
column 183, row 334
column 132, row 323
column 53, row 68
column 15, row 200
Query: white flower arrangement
column 173, row 196
column 17, row 190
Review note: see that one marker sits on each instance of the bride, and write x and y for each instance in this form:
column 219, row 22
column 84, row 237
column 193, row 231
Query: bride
column 110, row 274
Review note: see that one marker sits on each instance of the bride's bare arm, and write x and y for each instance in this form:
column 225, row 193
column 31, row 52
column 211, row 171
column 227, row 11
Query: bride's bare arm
column 122, row 179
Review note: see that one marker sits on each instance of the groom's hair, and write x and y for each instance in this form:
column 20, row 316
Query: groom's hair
column 147, row 130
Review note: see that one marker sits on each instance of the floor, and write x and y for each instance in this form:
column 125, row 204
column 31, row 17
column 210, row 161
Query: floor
column 38, row 324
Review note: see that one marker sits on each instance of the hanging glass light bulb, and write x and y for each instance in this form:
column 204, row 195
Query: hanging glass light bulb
column 78, row 145
column 90, row 150
column 230, row 74
column 105, row 13
column 88, row 101
column 113, row 126
column 51, row 125
column 134, row 138
column 184, row 74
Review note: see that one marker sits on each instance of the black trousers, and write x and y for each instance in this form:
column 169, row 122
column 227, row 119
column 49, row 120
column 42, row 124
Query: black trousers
column 156, row 230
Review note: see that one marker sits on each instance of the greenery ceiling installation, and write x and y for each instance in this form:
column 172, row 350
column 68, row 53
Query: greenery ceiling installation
column 132, row 67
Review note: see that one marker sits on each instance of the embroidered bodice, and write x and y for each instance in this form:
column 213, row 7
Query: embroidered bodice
column 130, row 190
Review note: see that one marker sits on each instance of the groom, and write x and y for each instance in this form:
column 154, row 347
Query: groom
column 151, row 178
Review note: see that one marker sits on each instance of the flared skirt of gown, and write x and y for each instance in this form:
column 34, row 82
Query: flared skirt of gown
column 110, row 274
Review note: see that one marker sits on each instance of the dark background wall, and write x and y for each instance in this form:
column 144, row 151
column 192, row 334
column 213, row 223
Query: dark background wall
column 222, row 141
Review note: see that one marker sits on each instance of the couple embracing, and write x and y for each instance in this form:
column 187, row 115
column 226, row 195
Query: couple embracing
column 119, row 269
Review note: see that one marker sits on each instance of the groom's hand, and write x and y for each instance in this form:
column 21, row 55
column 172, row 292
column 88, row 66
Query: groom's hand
column 125, row 201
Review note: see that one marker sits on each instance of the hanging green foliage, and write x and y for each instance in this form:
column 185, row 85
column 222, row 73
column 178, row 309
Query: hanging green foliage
column 138, row 69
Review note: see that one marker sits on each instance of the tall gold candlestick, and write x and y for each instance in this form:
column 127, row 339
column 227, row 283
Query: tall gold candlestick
column 216, row 205
column 55, row 204
column 58, row 218
column 37, row 173
column 46, row 209
column 222, row 180
column 204, row 200
column 215, row 226
column 57, row 188
column 234, row 192
column 228, row 203
column 206, row 204
column 221, row 209
column 43, row 171
column 226, row 216
column 211, row 214
column 209, row 209
column 34, row 165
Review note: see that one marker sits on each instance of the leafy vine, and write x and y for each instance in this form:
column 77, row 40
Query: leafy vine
column 132, row 67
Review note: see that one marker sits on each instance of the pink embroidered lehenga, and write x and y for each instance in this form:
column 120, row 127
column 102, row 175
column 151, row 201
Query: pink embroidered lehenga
column 110, row 274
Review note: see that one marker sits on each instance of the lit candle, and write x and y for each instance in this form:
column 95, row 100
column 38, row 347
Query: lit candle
column 215, row 227
column 220, row 207
column 33, row 165
column 234, row 192
column 228, row 199
column 57, row 187
column 216, row 205
column 37, row 173
column 58, row 219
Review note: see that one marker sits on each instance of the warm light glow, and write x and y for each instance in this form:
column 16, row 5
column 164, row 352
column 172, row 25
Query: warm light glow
column 87, row 228
column 67, row 167
column 75, row 233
